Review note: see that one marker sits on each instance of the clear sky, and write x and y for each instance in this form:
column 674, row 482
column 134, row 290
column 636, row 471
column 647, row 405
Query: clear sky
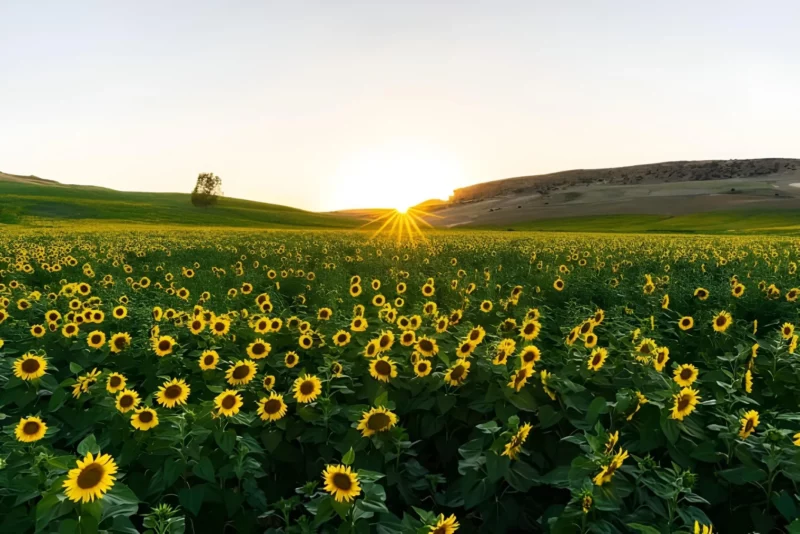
column 333, row 104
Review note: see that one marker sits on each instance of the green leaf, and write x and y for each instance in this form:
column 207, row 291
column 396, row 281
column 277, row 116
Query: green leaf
column 743, row 474
column 271, row 439
column 226, row 440
column 643, row 529
column 341, row 508
column 785, row 505
column 548, row 416
column 204, row 469
column 496, row 466
column 596, row 407
column 119, row 502
column 489, row 428
column 192, row 498
column 75, row 368
column 445, row 402
column 89, row 444
column 349, row 457
column 670, row 428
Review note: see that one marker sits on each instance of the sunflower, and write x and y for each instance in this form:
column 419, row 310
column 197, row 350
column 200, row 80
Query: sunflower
column 96, row 339
column 30, row 429
column 228, row 402
column 408, row 338
column 519, row 378
column 271, row 408
column 119, row 342
column 30, row 367
column 291, row 359
column 241, row 373
column 115, row 382
column 355, row 290
column 422, row 368
column 376, row 420
column 268, row 382
column 465, row 349
column 341, row 482
column 38, row 330
column 476, row 335
column 685, row 403
column 127, row 400
column 787, row 330
column 661, row 359
column 70, row 330
column 197, row 325
column 324, row 314
column 163, row 345
column 336, row 369
column 514, row 445
column 737, row 290
column 748, row 381
column 685, row 323
column 220, row 326
column 258, row 349
column 426, row 346
column 573, row 335
column 702, row 529
column 590, row 340
column 382, row 368
column 749, row 423
column 120, row 312
column 597, row 359
column 209, row 360
column 341, row 338
column 93, row 477
column 307, row 388
column 722, row 321
column 371, row 349
column 173, row 392
column 144, row 419
column 529, row 356
column 486, row 306
column 444, row 525
column 685, row 375
column 457, row 374
column 305, row 341
column 607, row 471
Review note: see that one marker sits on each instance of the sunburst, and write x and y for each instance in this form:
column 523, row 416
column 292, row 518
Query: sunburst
column 402, row 225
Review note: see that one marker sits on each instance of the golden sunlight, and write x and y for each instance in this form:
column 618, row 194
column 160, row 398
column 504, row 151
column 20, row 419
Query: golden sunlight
column 396, row 175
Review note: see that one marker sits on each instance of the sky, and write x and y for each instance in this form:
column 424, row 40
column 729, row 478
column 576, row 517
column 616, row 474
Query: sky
column 335, row 104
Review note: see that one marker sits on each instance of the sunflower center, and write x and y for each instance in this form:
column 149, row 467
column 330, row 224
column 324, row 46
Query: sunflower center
column 126, row 401
column 686, row 374
column 384, row 341
column 120, row 342
column 426, row 345
column 229, row 402
column 241, row 372
column 219, row 327
column 521, row 375
column 422, row 367
column 96, row 340
column 528, row 329
column 91, row 476
column 173, row 392
column 378, row 421
column 30, row 428
column 30, row 365
column 146, row 417
column 272, row 406
column 342, row 481
column 720, row 321
column 474, row 335
column 683, row 402
column 748, row 426
column 307, row 387
column 114, row 381
column 596, row 359
column 208, row 360
column 164, row 345
column 290, row 358
column 342, row 338
column 383, row 367
column 457, row 373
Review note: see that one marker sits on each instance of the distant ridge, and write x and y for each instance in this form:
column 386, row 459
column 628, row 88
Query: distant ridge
column 652, row 173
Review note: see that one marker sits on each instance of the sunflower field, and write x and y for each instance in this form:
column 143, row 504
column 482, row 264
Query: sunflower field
column 168, row 381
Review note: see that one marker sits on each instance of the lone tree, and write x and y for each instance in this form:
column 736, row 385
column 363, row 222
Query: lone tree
column 208, row 190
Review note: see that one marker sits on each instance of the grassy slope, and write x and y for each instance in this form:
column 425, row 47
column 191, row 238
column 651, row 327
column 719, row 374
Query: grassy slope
column 744, row 221
column 21, row 203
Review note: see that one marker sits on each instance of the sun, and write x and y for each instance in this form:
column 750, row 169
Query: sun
column 396, row 175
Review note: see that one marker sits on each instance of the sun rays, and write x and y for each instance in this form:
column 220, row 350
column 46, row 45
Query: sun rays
column 401, row 225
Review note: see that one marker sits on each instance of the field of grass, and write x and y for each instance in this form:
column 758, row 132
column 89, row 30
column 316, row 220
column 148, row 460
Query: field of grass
column 785, row 222
column 216, row 380
column 25, row 203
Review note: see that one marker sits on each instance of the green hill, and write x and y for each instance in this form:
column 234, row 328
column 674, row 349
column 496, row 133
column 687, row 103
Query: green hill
column 27, row 199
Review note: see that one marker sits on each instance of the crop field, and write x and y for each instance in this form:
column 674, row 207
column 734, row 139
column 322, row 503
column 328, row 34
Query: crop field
column 166, row 380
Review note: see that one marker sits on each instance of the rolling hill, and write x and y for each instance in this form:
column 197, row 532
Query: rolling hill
column 660, row 191
column 29, row 199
